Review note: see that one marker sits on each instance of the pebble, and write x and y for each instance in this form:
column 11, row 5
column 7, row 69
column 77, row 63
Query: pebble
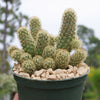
column 51, row 77
column 24, row 74
column 38, row 73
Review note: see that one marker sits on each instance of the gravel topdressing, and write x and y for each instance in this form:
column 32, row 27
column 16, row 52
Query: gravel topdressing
column 58, row 74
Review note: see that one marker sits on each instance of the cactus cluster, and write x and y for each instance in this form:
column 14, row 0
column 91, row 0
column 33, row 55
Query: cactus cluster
column 42, row 50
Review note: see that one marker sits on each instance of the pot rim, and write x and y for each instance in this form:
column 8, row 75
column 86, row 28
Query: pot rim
column 52, row 80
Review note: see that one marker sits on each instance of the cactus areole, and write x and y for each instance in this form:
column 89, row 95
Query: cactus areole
column 46, row 69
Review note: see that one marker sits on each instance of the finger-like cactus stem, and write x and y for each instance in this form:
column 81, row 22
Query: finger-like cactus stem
column 38, row 61
column 35, row 26
column 49, row 51
column 62, row 59
column 28, row 66
column 49, row 63
column 26, row 40
column 25, row 56
column 42, row 41
column 78, row 57
column 68, row 30
column 68, row 27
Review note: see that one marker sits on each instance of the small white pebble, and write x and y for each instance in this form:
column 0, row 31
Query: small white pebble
column 58, row 71
column 16, row 72
column 71, row 75
column 43, row 78
column 38, row 73
column 63, row 76
column 32, row 76
column 43, row 75
column 69, row 70
column 77, row 75
column 75, row 68
column 51, row 77
column 58, row 76
column 70, row 67
column 50, row 71
column 47, row 74
column 37, row 78
column 24, row 74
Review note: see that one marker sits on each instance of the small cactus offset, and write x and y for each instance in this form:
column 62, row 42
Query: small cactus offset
column 49, row 51
column 42, row 41
column 78, row 57
column 28, row 66
column 49, row 63
column 68, row 27
column 26, row 40
column 11, row 49
column 35, row 26
column 16, row 55
column 25, row 56
column 43, row 51
column 38, row 61
column 62, row 59
column 76, row 44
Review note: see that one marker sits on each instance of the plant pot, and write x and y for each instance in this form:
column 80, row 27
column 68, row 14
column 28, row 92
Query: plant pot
column 68, row 89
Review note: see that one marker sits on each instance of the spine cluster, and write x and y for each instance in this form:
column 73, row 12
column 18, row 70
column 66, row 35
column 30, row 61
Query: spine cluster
column 42, row 50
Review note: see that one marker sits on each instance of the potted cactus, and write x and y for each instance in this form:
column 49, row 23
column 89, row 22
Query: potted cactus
column 46, row 69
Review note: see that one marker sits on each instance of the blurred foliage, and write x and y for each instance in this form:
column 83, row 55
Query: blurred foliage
column 7, row 63
column 7, row 84
column 92, row 85
column 91, row 43
column 15, row 19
